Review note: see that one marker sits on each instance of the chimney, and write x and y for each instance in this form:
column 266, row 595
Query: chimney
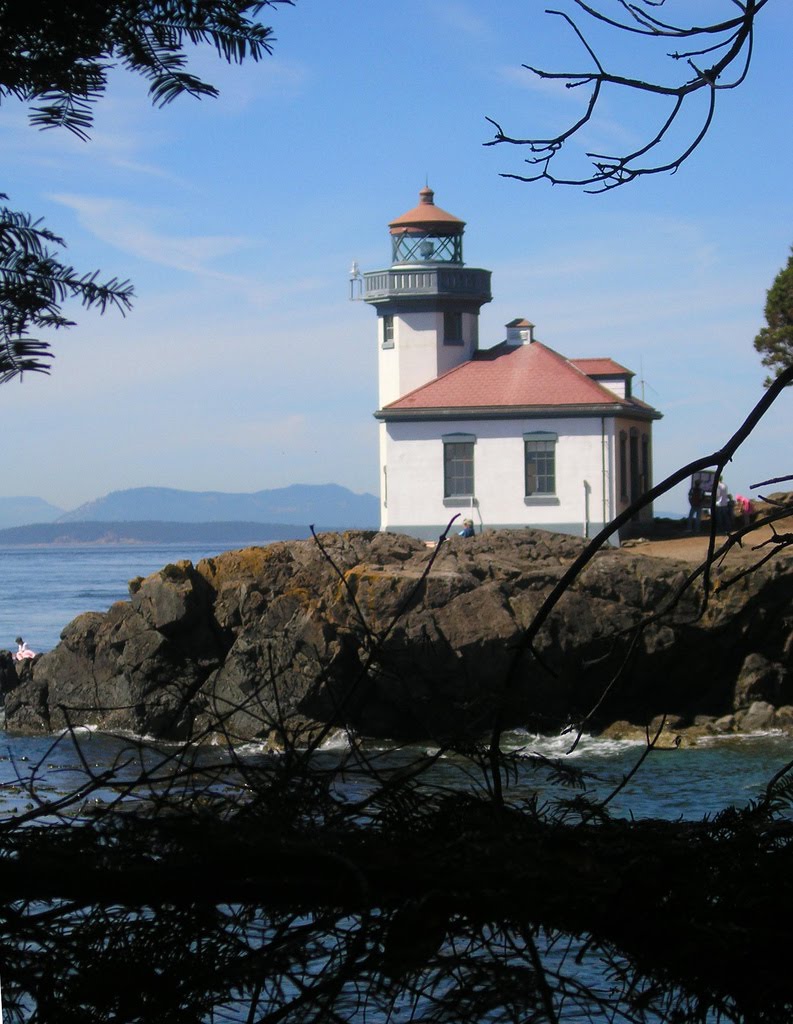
column 520, row 332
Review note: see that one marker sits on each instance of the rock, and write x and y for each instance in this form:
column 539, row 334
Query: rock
column 8, row 675
column 352, row 632
column 173, row 599
column 668, row 724
column 622, row 730
column 758, row 717
column 783, row 719
column 27, row 708
column 758, row 680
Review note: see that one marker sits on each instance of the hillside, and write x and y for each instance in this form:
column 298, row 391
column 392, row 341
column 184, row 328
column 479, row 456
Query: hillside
column 18, row 511
column 296, row 505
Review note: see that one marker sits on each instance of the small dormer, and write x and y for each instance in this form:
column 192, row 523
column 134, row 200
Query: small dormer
column 520, row 332
column 608, row 373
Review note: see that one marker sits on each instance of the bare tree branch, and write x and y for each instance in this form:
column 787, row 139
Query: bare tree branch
column 729, row 42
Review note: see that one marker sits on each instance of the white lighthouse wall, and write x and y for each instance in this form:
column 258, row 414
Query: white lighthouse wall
column 413, row 501
column 419, row 354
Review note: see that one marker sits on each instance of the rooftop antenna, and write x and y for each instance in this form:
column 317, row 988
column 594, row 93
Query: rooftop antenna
column 642, row 381
column 356, row 282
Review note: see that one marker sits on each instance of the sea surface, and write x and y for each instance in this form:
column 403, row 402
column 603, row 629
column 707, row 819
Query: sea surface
column 43, row 588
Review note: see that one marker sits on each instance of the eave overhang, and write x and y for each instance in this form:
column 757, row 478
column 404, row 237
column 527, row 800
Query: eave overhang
column 500, row 412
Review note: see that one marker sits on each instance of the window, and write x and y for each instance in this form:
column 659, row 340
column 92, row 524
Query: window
column 388, row 331
column 623, row 465
column 633, row 459
column 458, row 466
column 540, row 462
column 452, row 328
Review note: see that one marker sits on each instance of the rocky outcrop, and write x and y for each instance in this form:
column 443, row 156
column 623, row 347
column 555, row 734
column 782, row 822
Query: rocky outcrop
column 297, row 636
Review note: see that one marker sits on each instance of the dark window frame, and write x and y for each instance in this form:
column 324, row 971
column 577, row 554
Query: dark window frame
column 539, row 464
column 388, row 330
column 452, row 327
column 458, row 467
column 623, row 456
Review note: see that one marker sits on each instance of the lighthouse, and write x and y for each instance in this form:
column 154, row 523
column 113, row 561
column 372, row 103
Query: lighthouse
column 427, row 301
column 508, row 435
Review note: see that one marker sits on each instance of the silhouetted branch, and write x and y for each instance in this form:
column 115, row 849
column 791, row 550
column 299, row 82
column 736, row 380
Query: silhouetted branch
column 728, row 41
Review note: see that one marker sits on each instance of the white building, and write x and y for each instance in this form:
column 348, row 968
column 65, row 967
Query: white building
column 511, row 436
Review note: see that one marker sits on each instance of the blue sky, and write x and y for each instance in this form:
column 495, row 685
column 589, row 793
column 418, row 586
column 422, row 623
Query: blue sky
column 244, row 366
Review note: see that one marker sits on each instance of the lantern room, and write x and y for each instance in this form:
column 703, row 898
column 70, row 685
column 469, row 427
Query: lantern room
column 426, row 234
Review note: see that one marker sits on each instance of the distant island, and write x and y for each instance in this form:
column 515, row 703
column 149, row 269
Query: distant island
column 154, row 532
column 164, row 514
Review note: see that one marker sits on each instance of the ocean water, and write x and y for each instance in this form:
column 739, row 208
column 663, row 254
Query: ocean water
column 43, row 588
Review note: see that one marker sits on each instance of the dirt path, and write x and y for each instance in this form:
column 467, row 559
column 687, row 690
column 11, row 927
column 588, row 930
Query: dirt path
column 693, row 549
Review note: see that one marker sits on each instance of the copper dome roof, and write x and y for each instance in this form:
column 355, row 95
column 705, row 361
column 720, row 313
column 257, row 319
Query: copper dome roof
column 427, row 218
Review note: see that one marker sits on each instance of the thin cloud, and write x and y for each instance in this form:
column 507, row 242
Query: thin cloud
column 123, row 225
column 239, row 87
column 462, row 18
column 153, row 171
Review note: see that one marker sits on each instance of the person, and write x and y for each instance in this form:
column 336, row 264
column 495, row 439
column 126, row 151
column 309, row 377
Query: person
column 696, row 499
column 468, row 528
column 743, row 507
column 23, row 651
column 723, row 507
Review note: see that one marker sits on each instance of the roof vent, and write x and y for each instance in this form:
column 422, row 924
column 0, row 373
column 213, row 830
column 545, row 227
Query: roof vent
column 520, row 332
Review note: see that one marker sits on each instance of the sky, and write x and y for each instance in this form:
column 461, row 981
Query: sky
column 244, row 365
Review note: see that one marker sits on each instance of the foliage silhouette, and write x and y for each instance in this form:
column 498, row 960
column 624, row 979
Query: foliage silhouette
column 775, row 340
column 33, row 286
column 56, row 56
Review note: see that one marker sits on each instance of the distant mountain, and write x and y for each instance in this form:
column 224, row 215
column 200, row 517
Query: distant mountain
column 20, row 511
column 298, row 505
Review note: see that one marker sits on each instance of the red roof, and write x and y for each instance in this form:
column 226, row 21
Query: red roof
column 601, row 367
column 507, row 375
column 427, row 217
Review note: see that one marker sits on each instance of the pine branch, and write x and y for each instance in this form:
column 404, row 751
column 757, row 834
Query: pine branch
column 34, row 284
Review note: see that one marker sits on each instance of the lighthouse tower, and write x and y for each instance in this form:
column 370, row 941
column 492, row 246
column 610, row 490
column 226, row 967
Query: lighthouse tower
column 427, row 302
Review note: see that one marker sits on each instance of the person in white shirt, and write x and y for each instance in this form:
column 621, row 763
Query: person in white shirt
column 23, row 651
column 723, row 507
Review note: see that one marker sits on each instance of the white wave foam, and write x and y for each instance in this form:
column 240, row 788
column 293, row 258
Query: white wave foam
column 336, row 740
column 526, row 744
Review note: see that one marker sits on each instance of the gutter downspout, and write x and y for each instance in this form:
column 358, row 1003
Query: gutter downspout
column 603, row 466
column 474, row 504
column 587, row 492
